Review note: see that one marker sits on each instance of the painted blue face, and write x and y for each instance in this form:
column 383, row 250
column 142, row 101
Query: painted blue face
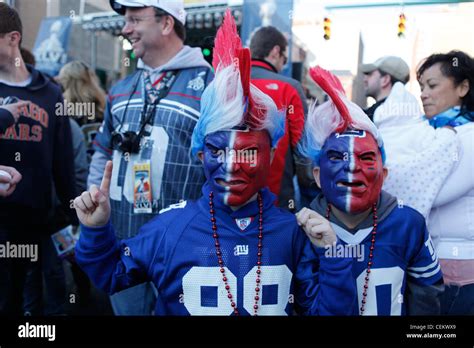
column 236, row 164
column 351, row 171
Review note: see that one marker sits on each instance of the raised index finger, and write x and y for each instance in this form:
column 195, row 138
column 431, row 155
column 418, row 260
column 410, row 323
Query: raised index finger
column 105, row 184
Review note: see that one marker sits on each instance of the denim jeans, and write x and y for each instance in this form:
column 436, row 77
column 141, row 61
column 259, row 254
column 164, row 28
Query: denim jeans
column 13, row 270
column 137, row 300
column 50, row 266
column 458, row 300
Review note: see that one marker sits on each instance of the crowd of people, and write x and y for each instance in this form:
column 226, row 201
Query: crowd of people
column 180, row 189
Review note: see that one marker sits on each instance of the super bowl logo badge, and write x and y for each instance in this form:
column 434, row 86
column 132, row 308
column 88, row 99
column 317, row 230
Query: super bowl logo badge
column 197, row 84
column 142, row 196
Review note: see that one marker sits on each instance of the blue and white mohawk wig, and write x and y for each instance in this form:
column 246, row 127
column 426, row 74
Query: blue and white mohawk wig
column 231, row 100
column 336, row 115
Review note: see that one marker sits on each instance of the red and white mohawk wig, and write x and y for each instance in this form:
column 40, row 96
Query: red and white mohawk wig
column 336, row 115
column 230, row 100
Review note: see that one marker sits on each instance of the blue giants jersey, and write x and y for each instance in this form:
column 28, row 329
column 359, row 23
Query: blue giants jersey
column 176, row 251
column 403, row 252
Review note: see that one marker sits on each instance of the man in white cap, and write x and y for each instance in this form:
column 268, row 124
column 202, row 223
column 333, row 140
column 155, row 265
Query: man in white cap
column 148, row 124
column 379, row 78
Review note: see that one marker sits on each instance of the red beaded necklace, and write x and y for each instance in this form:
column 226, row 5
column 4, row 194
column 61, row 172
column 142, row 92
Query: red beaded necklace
column 219, row 253
column 371, row 254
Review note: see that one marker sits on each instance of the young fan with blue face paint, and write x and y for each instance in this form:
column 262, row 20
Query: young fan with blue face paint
column 397, row 271
column 232, row 252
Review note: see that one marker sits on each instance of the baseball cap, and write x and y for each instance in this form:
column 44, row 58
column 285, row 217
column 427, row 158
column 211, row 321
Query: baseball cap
column 392, row 65
column 173, row 7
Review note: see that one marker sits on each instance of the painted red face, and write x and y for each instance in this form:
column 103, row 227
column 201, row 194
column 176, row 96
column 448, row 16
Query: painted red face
column 236, row 164
column 351, row 171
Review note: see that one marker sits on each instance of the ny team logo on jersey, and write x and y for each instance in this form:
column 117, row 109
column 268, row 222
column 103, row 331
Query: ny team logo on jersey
column 241, row 250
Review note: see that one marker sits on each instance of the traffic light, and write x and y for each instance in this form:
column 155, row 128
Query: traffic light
column 401, row 25
column 206, row 52
column 207, row 48
column 327, row 28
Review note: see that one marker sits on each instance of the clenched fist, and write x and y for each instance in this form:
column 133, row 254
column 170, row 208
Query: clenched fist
column 317, row 228
column 9, row 177
column 93, row 206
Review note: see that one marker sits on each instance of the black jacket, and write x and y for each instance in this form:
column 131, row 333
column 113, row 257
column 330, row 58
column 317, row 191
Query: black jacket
column 39, row 146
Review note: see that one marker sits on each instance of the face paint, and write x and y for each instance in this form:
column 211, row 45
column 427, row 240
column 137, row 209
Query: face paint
column 236, row 164
column 351, row 171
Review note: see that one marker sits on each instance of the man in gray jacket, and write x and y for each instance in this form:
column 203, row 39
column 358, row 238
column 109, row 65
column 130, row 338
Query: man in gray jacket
column 148, row 123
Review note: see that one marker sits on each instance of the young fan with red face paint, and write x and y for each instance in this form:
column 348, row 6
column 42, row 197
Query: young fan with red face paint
column 397, row 270
column 232, row 252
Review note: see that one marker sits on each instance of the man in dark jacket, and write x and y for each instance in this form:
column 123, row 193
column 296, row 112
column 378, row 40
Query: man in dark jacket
column 269, row 51
column 39, row 147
